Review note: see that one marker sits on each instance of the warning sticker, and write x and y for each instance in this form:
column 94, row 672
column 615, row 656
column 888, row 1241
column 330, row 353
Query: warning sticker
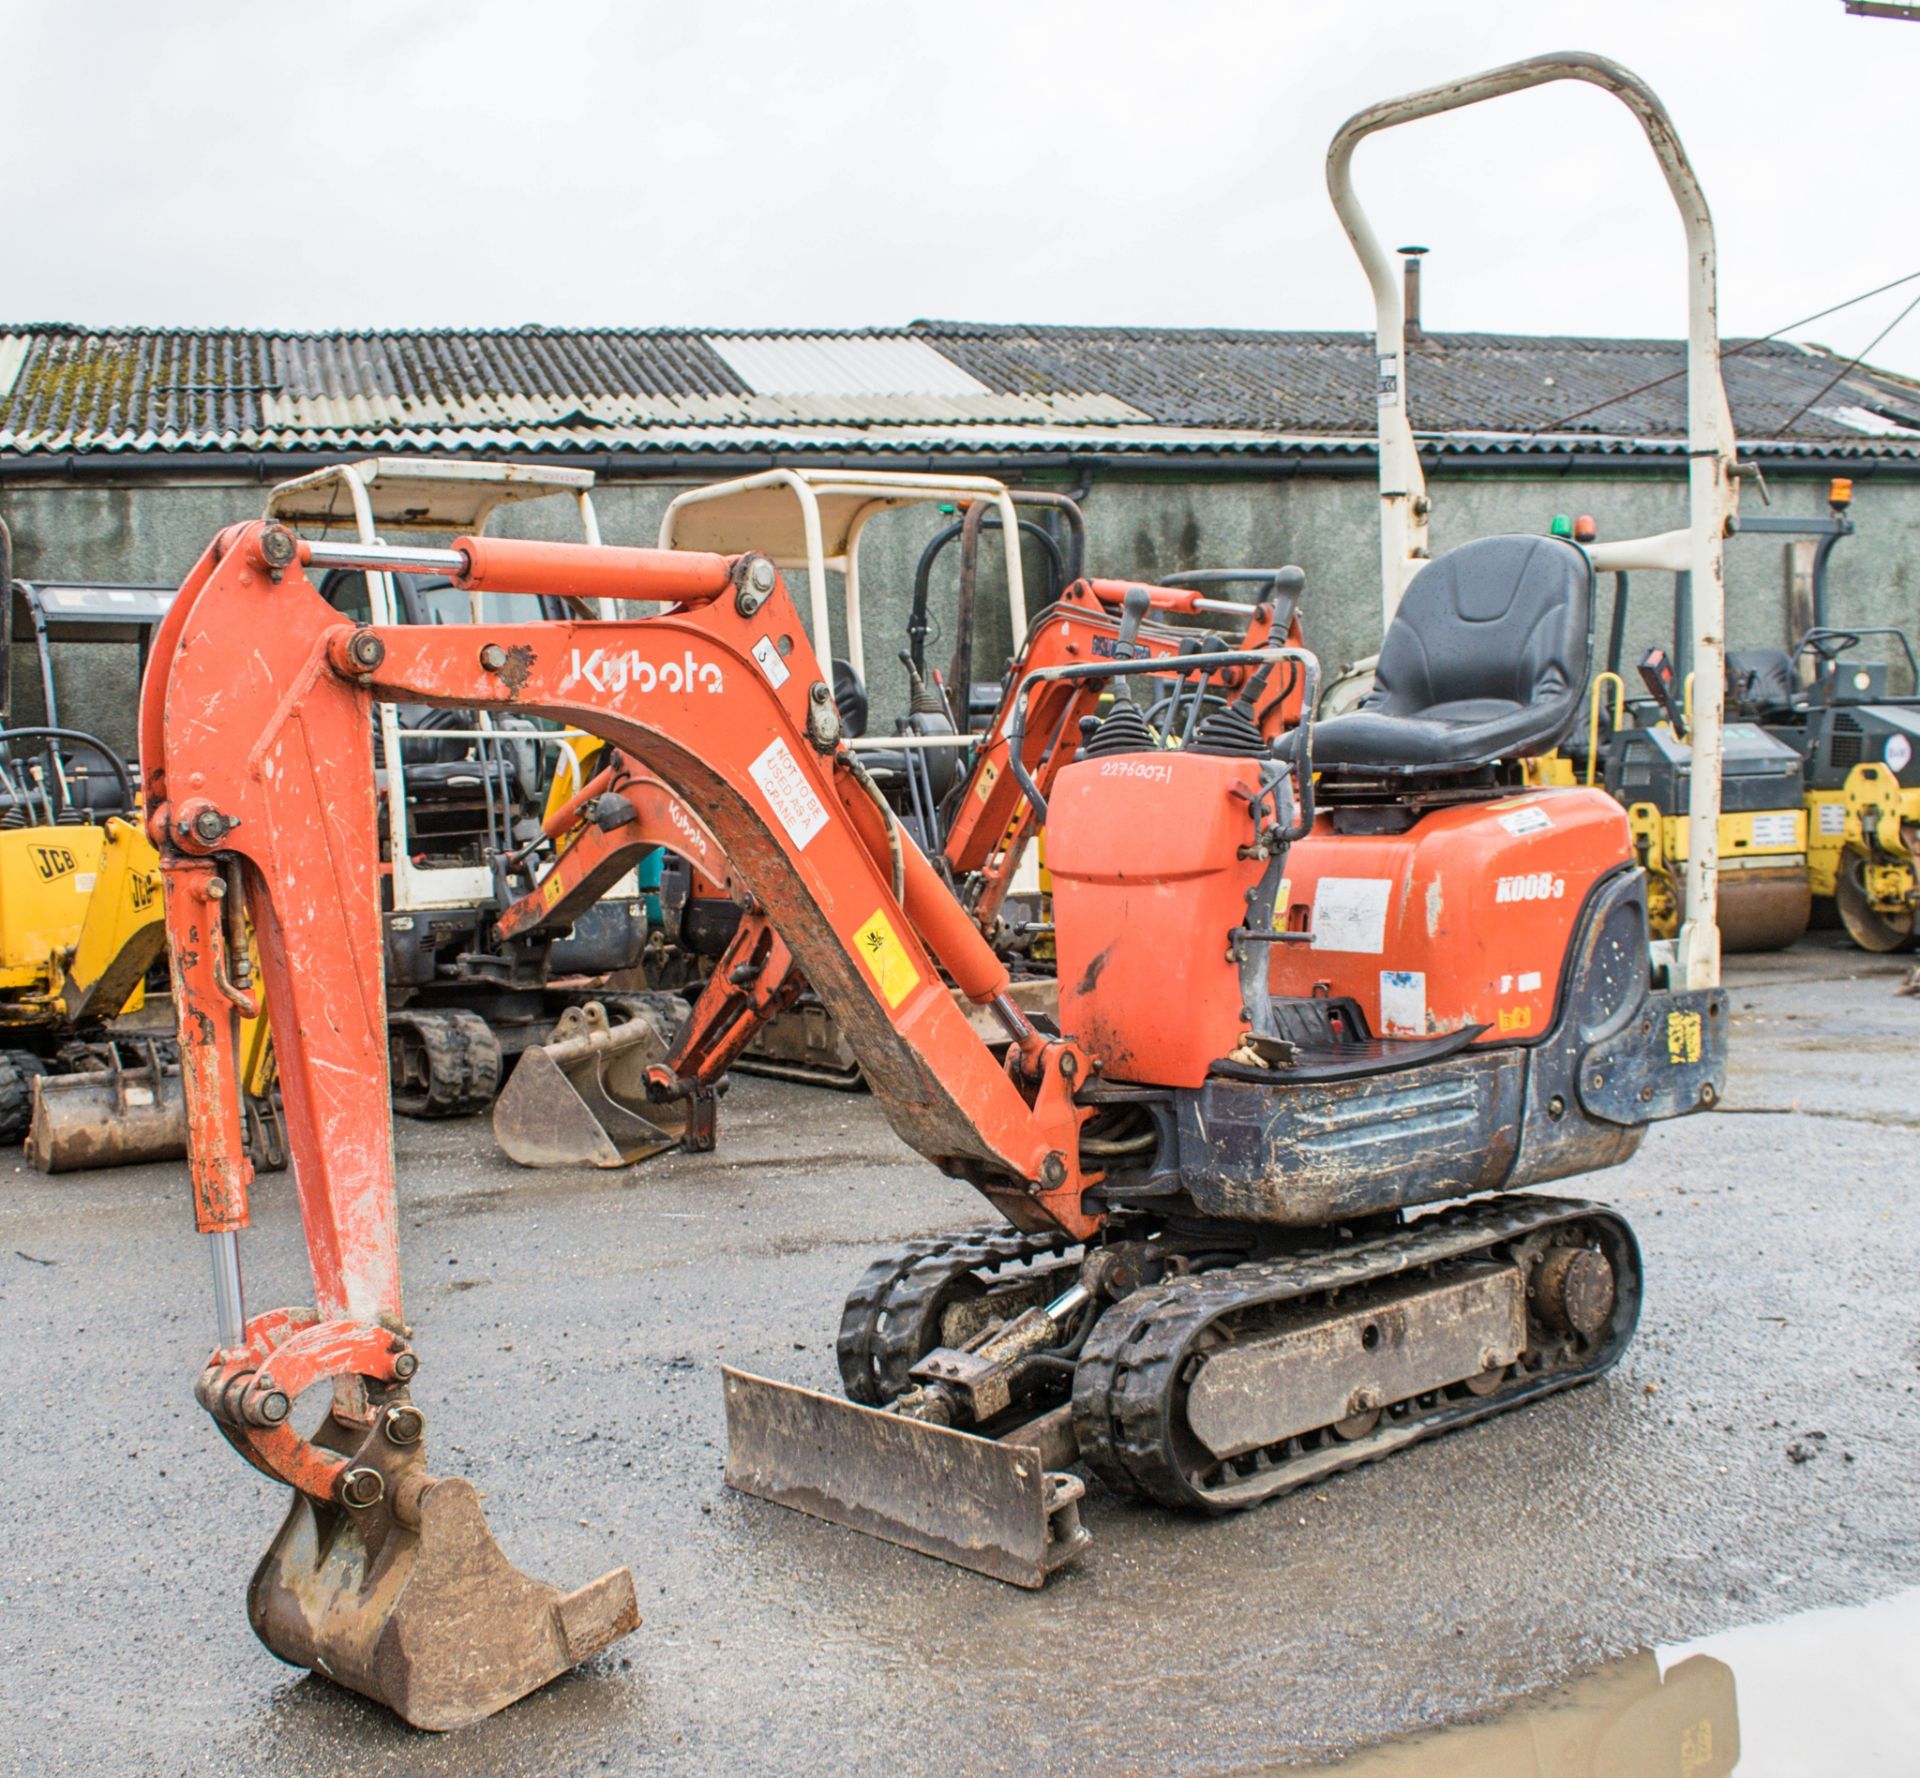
column 989, row 774
column 1350, row 914
column 887, row 957
column 784, row 786
column 1833, row 818
column 1403, row 1003
column 770, row 662
column 1531, row 819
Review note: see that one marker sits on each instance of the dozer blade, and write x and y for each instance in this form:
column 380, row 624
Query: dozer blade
column 428, row 1618
column 581, row 1100
column 107, row 1118
column 986, row 1505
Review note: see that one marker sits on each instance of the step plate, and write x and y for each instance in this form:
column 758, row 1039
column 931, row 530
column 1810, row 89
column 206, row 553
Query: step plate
column 966, row 1500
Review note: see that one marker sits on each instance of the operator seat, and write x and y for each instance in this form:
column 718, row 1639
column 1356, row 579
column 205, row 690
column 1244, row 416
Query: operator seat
column 1759, row 682
column 1484, row 661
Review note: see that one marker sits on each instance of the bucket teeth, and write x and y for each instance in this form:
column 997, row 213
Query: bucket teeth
column 429, row 1619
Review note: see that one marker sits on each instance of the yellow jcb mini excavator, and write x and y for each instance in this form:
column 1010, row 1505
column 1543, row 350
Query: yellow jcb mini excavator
column 1331, row 1003
column 80, row 914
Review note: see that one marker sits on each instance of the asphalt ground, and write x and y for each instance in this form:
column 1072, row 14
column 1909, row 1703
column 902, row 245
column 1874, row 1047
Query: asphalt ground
column 571, row 1325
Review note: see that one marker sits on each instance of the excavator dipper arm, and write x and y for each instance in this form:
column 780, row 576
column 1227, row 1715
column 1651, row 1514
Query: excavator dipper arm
column 256, row 751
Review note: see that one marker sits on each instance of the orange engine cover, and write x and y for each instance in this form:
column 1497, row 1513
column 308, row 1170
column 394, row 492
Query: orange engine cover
column 1463, row 920
column 1147, row 885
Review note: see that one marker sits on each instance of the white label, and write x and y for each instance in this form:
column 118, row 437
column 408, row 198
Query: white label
column 770, row 662
column 1532, row 819
column 1530, row 982
column 139, row 1095
column 1899, row 753
column 1350, row 914
column 1389, row 381
column 1774, row 830
column 1542, row 885
column 1833, row 818
column 83, row 882
column 1403, row 1003
column 784, row 786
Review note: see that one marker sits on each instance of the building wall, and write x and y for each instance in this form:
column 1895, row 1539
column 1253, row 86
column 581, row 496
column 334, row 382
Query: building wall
column 1139, row 526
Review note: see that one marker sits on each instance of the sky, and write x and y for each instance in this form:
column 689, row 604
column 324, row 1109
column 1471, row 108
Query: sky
column 836, row 163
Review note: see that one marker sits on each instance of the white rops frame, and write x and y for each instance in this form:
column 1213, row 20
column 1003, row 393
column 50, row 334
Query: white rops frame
column 1713, row 486
column 813, row 519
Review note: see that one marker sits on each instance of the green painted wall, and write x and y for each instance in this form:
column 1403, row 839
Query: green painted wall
column 1138, row 527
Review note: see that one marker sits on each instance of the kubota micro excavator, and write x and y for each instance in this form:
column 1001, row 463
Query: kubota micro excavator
column 1265, row 1184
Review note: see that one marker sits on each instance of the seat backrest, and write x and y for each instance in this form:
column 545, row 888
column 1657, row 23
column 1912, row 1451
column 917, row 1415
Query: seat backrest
column 1759, row 680
column 1502, row 620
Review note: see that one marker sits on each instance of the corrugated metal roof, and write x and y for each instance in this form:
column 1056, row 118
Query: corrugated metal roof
column 937, row 386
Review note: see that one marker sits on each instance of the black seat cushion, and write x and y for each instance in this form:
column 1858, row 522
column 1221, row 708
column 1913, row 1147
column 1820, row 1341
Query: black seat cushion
column 1483, row 661
column 1760, row 680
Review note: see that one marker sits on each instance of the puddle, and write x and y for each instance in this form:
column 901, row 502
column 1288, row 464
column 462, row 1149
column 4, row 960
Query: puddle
column 1831, row 1692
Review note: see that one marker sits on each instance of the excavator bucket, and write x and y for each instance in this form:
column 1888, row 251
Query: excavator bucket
column 412, row 1603
column 581, row 1099
column 107, row 1117
column 997, row 1506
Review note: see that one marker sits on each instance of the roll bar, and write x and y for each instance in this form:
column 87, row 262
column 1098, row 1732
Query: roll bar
column 1712, row 476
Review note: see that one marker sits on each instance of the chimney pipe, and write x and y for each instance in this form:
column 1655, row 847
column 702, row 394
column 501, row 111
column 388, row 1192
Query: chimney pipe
column 1412, row 298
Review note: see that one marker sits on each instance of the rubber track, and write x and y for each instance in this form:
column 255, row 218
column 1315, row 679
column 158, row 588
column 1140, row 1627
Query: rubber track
column 1130, row 1368
column 18, row 1068
column 463, row 1064
column 884, row 1313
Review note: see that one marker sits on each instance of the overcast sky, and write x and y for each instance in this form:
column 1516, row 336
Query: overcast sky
column 839, row 163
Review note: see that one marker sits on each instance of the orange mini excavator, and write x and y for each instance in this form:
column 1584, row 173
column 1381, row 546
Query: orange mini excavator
column 1332, row 999
column 1312, row 984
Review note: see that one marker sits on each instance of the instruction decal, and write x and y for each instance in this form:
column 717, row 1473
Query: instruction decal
column 1350, row 914
column 792, row 798
column 1403, row 1003
column 767, row 656
column 1780, row 829
column 1531, row 819
column 1833, row 818
column 880, row 947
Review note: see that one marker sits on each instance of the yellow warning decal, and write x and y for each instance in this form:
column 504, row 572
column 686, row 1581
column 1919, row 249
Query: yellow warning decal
column 989, row 774
column 552, row 889
column 887, row 957
column 1683, row 1037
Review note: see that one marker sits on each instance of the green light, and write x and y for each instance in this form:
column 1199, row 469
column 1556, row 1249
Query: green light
column 1562, row 526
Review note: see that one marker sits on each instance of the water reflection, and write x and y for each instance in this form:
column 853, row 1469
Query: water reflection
column 1827, row 1692
column 1627, row 1720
